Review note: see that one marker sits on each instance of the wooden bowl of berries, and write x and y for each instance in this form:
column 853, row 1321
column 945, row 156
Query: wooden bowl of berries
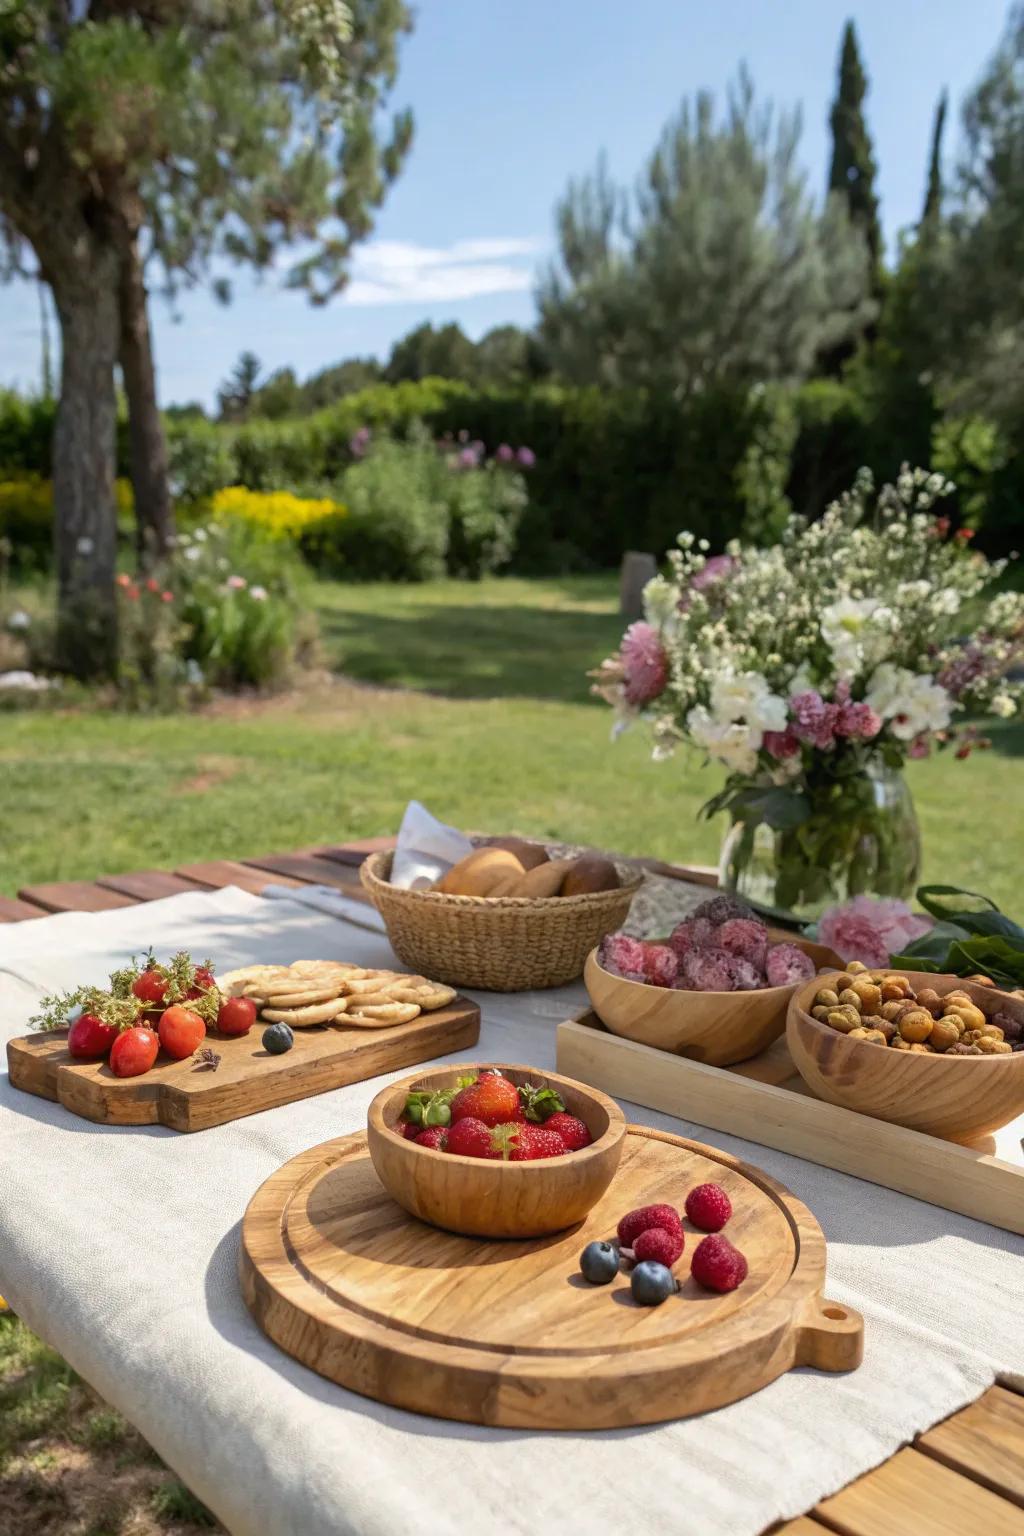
column 933, row 1053
column 716, row 990
column 495, row 1151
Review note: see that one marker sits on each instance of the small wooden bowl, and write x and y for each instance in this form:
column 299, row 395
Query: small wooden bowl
column 496, row 1199
column 956, row 1097
column 717, row 1028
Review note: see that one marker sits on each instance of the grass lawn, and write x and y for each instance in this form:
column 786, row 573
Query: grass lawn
column 506, row 738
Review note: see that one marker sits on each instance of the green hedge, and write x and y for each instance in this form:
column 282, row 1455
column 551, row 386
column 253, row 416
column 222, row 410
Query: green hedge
column 613, row 471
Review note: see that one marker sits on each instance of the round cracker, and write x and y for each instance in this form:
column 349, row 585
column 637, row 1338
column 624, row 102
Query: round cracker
column 372, row 982
column 380, row 1015
column 433, row 995
column 234, row 983
column 302, row 997
column 314, row 1013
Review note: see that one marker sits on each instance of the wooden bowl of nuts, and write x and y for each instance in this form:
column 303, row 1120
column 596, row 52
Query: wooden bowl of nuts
column 933, row 1053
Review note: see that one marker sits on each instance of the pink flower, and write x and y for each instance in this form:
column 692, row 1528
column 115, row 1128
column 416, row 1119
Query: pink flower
column 527, row 458
column 858, row 721
column 505, row 453
column 236, row 583
column 644, row 664
column 813, row 721
column 919, row 747
column 359, row 442
column 870, row 930
column 714, row 569
column 167, row 597
column 781, row 744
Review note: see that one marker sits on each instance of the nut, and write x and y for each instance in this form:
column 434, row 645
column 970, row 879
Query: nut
column 856, row 967
column 844, row 1019
column 1012, row 1028
column 964, row 1050
column 991, row 1047
column 971, row 1014
column 820, row 1013
column 842, row 981
column 944, row 1034
column 901, row 981
column 930, row 999
column 874, row 1037
column 884, row 1026
column 891, row 1009
column 993, row 1030
column 870, row 995
column 891, row 991
column 899, row 1044
column 920, row 1046
column 850, row 998
column 916, row 1026
column 827, row 998
column 860, row 1033
column 981, row 981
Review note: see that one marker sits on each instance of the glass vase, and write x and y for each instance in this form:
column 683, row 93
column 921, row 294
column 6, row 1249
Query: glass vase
column 860, row 838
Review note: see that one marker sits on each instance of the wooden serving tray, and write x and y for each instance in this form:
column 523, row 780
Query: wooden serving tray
column 508, row 1332
column 766, row 1100
column 188, row 1097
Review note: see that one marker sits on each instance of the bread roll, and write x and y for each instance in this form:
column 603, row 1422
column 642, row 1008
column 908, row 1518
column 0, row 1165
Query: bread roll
column 590, row 873
column 545, row 880
column 478, row 872
column 529, row 854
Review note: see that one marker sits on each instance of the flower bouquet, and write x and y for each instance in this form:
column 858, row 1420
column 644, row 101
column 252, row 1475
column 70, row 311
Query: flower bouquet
column 812, row 670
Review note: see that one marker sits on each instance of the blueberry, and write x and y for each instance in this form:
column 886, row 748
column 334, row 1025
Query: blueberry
column 278, row 1038
column 599, row 1263
column 652, row 1283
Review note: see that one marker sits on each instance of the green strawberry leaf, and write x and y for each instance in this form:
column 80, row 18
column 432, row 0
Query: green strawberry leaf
column 539, row 1103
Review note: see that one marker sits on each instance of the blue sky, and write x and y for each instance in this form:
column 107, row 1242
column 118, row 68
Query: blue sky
column 511, row 98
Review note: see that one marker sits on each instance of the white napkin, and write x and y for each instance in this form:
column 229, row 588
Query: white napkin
column 426, row 849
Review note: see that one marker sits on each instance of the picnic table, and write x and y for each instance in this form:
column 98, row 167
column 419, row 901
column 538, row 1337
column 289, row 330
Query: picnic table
column 964, row 1473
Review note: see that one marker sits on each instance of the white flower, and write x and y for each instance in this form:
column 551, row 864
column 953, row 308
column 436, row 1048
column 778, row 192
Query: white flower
column 802, row 681
column 85, row 546
column 733, row 744
column 193, row 553
column 257, row 594
column 199, row 535
column 1003, row 706
column 746, row 696
column 842, row 628
column 946, row 602
column 660, row 600
column 910, row 701
column 19, row 619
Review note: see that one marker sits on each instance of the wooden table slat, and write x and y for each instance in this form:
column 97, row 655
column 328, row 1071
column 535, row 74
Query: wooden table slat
column 914, row 1495
column 803, row 1525
column 74, row 896
column 215, row 874
column 309, row 868
column 984, row 1442
column 148, row 884
column 355, row 852
column 13, row 911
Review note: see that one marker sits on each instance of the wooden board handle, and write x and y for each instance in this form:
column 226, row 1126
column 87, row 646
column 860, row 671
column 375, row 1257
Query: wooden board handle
column 831, row 1336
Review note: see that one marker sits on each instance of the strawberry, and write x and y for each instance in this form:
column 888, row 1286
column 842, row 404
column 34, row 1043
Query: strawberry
column 409, row 1129
column 435, row 1136
column 470, row 1137
column 530, row 1142
column 492, row 1099
column 571, row 1129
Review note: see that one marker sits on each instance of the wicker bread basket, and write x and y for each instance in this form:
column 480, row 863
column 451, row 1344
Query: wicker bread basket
column 496, row 943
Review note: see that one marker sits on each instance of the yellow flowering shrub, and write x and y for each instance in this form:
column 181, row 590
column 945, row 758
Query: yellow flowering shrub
column 26, row 516
column 278, row 513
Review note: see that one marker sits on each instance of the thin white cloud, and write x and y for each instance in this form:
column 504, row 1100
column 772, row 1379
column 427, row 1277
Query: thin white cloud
column 401, row 272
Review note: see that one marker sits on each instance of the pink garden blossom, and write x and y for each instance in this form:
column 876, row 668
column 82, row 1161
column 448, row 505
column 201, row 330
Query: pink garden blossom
column 526, row 457
column 870, row 930
column 644, row 664
column 236, row 583
column 504, row 453
column 814, row 721
column 716, row 568
column 858, row 721
column 781, row 744
column 919, row 747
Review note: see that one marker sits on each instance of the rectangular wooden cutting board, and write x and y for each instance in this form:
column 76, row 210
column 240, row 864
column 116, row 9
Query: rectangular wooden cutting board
column 767, row 1101
column 248, row 1079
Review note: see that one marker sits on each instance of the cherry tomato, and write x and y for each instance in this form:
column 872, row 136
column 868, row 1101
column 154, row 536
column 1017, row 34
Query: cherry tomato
column 89, row 1036
column 181, row 1032
column 237, row 1016
column 204, row 978
column 150, row 987
column 133, row 1052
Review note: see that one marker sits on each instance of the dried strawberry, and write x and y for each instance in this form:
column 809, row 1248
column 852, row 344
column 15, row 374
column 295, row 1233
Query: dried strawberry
column 708, row 1207
column 571, row 1129
column 622, row 956
column 693, row 933
column 745, row 937
column 746, row 976
column 717, row 1265
column 661, row 965
column 709, row 970
column 786, row 966
column 646, row 1216
column 659, row 1244
column 719, row 909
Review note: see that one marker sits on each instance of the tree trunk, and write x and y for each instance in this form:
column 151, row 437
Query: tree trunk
column 154, row 516
column 85, row 523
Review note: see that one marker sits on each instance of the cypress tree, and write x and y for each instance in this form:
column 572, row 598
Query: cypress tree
column 933, row 196
column 852, row 171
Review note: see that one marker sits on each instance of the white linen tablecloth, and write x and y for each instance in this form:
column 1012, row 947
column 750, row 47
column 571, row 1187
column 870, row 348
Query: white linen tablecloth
column 119, row 1246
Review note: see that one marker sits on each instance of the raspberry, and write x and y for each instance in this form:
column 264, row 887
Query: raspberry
column 719, row 909
column 708, row 1207
column 717, row 1265
column 745, row 937
column 785, row 966
column 659, row 1244
column 691, row 934
column 638, row 1221
column 661, row 965
column 435, row 1136
column 746, row 976
column 571, row 1129
column 709, row 971
column 622, row 956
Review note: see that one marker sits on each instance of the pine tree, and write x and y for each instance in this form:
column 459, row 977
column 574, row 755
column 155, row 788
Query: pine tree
column 852, row 172
column 933, row 197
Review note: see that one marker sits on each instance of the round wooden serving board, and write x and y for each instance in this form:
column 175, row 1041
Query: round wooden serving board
column 508, row 1333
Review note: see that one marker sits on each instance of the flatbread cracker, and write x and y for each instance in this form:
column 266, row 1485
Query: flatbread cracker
column 432, row 995
column 315, row 1013
column 379, row 1015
